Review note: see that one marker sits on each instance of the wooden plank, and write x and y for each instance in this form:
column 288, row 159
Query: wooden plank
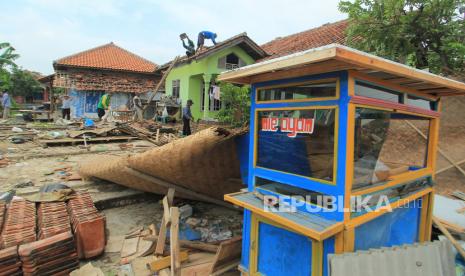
column 370, row 61
column 229, row 252
column 161, row 82
column 166, row 261
column 51, row 142
column 197, row 245
column 459, row 195
column 446, row 156
column 166, row 211
column 129, row 247
column 450, row 166
column 174, row 242
column 446, row 233
column 160, row 248
column 280, row 63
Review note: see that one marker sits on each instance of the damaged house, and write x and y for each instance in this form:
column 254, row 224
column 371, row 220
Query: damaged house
column 105, row 69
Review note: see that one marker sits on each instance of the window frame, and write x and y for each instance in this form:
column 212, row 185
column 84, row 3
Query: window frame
column 176, row 84
column 333, row 182
column 293, row 84
column 399, row 178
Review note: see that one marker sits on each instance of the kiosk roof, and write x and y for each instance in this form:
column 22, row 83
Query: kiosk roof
column 335, row 57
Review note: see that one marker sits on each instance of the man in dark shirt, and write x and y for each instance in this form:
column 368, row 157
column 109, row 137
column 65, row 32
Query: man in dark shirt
column 186, row 118
column 189, row 46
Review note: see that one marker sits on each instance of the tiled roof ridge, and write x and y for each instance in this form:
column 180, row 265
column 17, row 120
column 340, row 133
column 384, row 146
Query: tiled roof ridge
column 130, row 58
column 307, row 31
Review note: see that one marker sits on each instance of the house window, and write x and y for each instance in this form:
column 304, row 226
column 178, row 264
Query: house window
column 229, row 62
column 176, row 87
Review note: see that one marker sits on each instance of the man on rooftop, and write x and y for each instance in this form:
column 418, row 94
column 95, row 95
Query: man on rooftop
column 205, row 35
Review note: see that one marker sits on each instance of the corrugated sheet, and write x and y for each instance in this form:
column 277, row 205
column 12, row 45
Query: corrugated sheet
column 426, row 259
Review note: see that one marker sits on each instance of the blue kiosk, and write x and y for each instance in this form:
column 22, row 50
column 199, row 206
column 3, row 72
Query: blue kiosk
column 342, row 157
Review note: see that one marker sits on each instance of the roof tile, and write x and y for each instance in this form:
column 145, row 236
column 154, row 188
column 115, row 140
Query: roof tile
column 110, row 57
column 313, row 38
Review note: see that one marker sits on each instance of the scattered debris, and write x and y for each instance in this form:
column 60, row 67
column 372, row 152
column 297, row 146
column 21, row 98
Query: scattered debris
column 87, row 270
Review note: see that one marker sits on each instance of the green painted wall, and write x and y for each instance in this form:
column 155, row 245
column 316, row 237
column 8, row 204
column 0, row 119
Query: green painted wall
column 191, row 77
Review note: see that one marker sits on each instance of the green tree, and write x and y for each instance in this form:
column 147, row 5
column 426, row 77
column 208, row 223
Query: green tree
column 23, row 83
column 421, row 33
column 7, row 57
column 236, row 105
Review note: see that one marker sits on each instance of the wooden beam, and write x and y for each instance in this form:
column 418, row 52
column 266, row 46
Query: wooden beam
column 174, row 242
column 391, row 85
column 450, row 166
column 326, row 67
column 439, row 149
column 446, row 233
column 165, row 262
column 162, row 80
column 280, row 63
column 179, row 189
column 165, row 221
column 370, row 61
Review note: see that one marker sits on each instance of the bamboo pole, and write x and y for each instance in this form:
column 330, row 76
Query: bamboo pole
column 449, row 236
column 454, row 164
column 162, row 80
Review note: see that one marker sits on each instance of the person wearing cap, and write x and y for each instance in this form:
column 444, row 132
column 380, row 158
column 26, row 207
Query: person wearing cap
column 66, row 107
column 6, row 104
column 187, row 118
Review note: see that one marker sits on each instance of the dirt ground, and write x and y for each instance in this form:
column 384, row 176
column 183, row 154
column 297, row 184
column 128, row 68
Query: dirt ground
column 31, row 167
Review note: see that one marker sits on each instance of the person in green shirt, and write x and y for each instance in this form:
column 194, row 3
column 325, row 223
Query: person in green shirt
column 103, row 105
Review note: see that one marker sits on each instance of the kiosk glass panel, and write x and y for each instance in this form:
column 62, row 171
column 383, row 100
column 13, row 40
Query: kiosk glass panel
column 298, row 92
column 297, row 141
column 387, row 145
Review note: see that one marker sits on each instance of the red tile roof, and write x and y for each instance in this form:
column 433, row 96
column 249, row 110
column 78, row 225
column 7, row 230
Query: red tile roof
column 316, row 37
column 109, row 57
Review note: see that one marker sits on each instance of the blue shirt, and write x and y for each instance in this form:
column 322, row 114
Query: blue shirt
column 6, row 102
column 209, row 35
column 186, row 113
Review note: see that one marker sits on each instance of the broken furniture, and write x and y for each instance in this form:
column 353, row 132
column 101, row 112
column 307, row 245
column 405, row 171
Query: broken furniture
column 332, row 152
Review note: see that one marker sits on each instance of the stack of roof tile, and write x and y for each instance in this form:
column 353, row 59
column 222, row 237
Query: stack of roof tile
column 88, row 226
column 9, row 261
column 20, row 223
column 50, row 256
column 53, row 219
column 2, row 213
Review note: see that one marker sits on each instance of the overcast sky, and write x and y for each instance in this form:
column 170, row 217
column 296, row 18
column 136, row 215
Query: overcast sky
column 45, row 30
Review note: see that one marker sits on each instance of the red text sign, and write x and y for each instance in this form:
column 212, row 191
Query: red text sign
column 292, row 126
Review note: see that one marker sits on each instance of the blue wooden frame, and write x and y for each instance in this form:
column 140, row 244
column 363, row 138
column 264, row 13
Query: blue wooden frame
column 295, row 180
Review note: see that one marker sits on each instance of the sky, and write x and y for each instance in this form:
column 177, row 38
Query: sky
column 42, row 31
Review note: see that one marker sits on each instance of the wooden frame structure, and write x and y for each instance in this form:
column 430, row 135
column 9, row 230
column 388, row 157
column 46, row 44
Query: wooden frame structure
column 343, row 230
